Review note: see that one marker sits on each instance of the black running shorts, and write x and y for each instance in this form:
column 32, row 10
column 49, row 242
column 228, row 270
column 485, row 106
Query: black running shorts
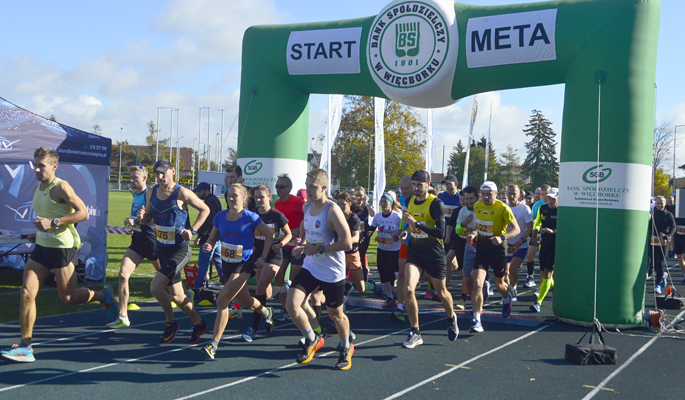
column 436, row 268
column 54, row 258
column 144, row 247
column 678, row 244
column 546, row 257
column 498, row 262
column 172, row 260
column 334, row 292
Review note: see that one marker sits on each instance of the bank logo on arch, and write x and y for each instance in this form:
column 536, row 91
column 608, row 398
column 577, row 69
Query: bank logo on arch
column 412, row 51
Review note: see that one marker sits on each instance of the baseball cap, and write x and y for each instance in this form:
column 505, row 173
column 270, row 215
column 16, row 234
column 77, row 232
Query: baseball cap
column 553, row 192
column 202, row 186
column 162, row 166
column 489, row 185
column 302, row 193
column 530, row 194
column 421, row 175
column 450, row 178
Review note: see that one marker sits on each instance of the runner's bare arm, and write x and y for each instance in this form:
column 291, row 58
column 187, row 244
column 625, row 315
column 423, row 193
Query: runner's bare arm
column 286, row 238
column 336, row 221
column 190, row 198
column 64, row 193
column 268, row 237
column 211, row 240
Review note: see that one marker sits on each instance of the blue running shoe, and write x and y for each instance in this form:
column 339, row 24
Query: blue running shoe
column 506, row 307
column 110, row 302
column 535, row 307
column 663, row 280
column 453, row 329
column 19, row 353
column 486, row 291
column 476, row 326
column 657, row 289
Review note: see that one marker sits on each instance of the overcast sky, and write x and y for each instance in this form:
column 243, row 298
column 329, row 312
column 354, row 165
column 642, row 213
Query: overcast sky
column 114, row 63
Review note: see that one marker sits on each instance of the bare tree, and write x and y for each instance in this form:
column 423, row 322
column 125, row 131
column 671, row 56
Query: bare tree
column 663, row 144
column 97, row 130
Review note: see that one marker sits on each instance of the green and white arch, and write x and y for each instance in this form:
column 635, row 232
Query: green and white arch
column 430, row 53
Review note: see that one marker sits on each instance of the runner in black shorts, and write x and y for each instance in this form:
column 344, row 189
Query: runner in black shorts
column 235, row 227
column 277, row 223
column 546, row 225
column 457, row 247
column 425, row 217
column 143, row 244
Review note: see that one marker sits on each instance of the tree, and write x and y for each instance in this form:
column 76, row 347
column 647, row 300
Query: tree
column 151, row 140
column 476, row 164
column 661, row 183
column 53, row 118
column 541, row 164
column 231, row 160
column 97, row 130
column 454, row 157
column 352, row 153
column 663, row 143
column 509, row 164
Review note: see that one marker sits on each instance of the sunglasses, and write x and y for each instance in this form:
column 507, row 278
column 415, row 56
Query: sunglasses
column 281, row 187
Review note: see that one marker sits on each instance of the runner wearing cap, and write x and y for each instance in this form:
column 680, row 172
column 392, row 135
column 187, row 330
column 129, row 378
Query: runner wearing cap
column 492, row 219
column 529, row 199
column 406, row 194
column 324, row 238
column 425, row 218
column 465, row 228
column 387, row 252
column 546, row 226
column 204, row 192
column 450, row 198
column 143, row 245
column 291, row 206
column 539, row 200
column 167, row 207
column 517, row 247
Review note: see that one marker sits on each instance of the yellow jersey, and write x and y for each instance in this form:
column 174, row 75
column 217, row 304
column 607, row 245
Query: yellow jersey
column 491, row 221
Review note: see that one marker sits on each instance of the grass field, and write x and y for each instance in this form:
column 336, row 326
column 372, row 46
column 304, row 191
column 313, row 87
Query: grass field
column 48, row 302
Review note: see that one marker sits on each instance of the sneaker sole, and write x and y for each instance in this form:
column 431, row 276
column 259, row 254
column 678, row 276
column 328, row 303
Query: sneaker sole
column 206, row 353
column 476, row 330
column 247, row 338
column 349, row 360
column 318, row 346
column 21, row 359
column 117, row 326
column 411, row 346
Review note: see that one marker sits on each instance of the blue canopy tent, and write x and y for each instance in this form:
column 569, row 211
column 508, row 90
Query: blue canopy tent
column 84, row 163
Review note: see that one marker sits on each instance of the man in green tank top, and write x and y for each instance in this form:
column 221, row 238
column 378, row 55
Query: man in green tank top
column 57, row 209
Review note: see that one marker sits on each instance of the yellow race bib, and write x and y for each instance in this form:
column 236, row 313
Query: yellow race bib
column 485, row 228
column 259, row 236
column 166, row 234
column 231, row 253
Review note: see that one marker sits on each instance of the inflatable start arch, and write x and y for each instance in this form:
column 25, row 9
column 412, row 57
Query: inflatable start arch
column 430, row 53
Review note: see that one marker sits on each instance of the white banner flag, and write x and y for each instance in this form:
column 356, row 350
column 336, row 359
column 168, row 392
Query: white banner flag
column 474, row 111
column 379, row 174
column 429, row 142
column 335, row 102
column 487, row 146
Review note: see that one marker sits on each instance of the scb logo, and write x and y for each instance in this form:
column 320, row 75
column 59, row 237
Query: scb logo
column 596, row 175
column 252, row 167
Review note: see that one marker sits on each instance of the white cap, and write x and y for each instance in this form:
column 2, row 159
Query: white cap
column 553, row 192
column 392, row 194
column 489, row 185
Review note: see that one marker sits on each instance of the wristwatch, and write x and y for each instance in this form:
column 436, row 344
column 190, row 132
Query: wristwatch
column 321, row 249
column 194, row 231
column 263, row 257
column 504, row 238
column 56, row 222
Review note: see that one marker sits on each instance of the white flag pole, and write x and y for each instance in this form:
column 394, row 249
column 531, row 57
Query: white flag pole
column 335, row 102
column 487, row 145
column 474, row 111
column 429, row 144
column 379, row 173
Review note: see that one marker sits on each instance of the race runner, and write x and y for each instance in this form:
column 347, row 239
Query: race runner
column 546, row 226
column 517, row 247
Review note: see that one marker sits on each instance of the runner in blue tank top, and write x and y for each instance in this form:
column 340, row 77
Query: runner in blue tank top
column 235, row 228
column 167, row 207
column 143, row 244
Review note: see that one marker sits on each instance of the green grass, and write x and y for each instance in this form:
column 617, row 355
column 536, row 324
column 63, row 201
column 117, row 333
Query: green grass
column 48, row 302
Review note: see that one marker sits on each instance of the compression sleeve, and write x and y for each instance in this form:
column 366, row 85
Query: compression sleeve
column 437, row 211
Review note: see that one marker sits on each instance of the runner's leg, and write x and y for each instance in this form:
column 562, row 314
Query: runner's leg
column 34, row 276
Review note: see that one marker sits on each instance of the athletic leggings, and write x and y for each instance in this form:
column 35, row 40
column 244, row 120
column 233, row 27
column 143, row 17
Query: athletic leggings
column 655, row 257
column 388, row 264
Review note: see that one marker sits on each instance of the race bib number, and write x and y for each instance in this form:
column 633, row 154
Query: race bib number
column 417, row 233
column 46, row 234
column 680, row 230
column 136, row 226
column 449, row 210
column 362, row 227
column 231, row 253
column 317, row 241
column 485, row 228
column 259, row 236
column 511, row 251
column 166, row 234
column 654, row 241
column 384, row 241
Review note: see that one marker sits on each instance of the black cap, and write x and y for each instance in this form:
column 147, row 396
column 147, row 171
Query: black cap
column 530, row 194
column 162, row 166
column 421, row 175
column 202, row 186
column 450, row 178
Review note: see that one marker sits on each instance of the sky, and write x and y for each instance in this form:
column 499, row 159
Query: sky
column 114, row 63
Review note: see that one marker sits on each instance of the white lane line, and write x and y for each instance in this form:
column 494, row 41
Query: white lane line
column 124, row 362
column 250, row 378
column 434, row 377
column 627, row 363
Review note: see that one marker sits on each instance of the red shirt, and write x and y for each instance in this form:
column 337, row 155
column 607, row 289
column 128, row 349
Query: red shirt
column 292, row 209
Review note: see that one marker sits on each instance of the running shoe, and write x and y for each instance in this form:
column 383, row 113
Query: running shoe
column 234, row 313
column 506, row 307
column 514, row 294
column 530, row 282
column 208, row 351
column 348, row 288
column 649, row 275
column 110, row 303
column 398, row 315
column 657, row 289
column 378, row 289
column 535, row 307
column 453, row 329
column 120, row 322
column 191, row 296
column 249, row 335
column 486, row 291
column 269, row 321
column 663, row 280
column 198, row 331
column 436, row 298
column 429, row 295
column 389, row 302
column 352, row 337
column 309, row 350
column 19, row 353
column 345, row 359
column 287, row 285
column 282, row 316
column 413, row 340
column 170, row 332
column 491, row 292
column 461, row 305
column 476, row 326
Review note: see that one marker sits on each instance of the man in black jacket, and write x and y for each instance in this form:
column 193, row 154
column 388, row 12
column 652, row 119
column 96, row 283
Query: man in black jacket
column 204, row 192
column 662, row 226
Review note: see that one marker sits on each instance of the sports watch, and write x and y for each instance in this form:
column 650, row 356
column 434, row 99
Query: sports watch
column 194, row 231
column 56, row 222
column 321, row 249
column 504, row 238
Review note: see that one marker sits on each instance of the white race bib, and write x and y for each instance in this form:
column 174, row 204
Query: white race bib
column 317, row 241
column 485, row 228
column 417, row 233
column 259, row 236
column 449, row 210
column 166, row 234
column 384, row 240
column 231, row 253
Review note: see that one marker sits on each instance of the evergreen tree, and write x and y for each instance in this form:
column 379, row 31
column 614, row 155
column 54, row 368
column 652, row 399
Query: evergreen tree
column 541, row 164
column 454, row 159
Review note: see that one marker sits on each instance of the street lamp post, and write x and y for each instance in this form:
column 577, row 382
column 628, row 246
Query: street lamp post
column 193, row 158
column 157, row 129
column 199, row 139
column 221, row 159
column 121, row 142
